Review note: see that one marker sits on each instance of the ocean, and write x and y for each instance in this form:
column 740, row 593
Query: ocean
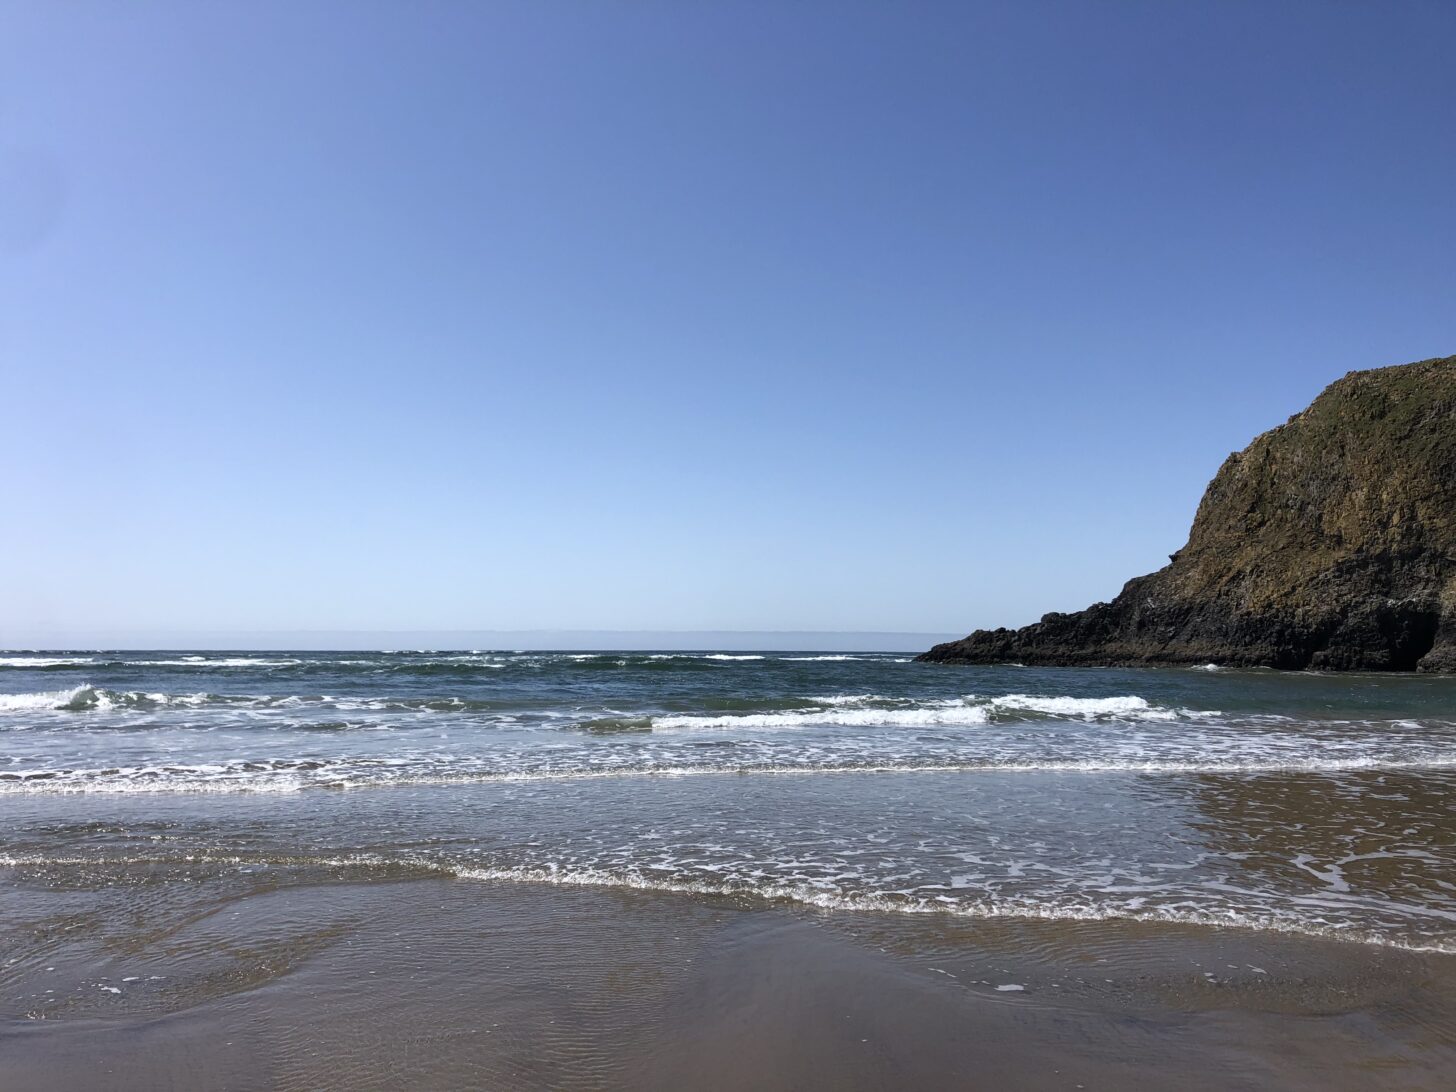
column 1221, row 800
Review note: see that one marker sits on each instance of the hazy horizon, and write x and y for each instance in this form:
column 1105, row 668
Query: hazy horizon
column 493, row 640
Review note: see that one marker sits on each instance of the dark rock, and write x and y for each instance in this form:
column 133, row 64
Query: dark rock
column 1328, row 543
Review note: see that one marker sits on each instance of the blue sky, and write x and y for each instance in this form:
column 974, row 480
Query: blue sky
column 653, row 315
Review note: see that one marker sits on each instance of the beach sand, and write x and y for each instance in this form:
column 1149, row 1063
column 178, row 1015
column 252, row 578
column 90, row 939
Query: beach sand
column 436, row 984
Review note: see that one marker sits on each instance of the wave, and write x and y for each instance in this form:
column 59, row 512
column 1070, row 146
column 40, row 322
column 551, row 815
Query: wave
column 925, row 900
column 1128, row 707
column 951, row 714
column 646, row 660
column 873, row 710
column 292, row 775
column 842, row 710
column 45, row 661
column 856, row 699
column 225, row 661
column 77, row 697
column 439, row 663
column 895, row 902
column 87, row 698
column 199, row 663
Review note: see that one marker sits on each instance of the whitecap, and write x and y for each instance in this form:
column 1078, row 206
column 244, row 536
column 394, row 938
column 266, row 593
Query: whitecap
column 77, row 697
column 44, row 661
column 942, row 715
column 293, row 775
column 1128, row 706
column 226, row 661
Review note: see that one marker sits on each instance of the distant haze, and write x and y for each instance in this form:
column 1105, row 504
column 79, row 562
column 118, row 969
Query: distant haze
column 524, row 640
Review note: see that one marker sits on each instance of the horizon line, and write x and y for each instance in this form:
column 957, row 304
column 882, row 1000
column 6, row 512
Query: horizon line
column 535, row 640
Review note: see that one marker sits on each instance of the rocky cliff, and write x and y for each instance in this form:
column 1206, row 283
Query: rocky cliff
column 1328, row 543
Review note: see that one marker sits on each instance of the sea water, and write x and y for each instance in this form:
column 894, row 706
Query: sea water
column 1251, row 800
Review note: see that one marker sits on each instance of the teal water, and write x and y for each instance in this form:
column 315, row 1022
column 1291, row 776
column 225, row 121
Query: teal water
column 1251, row 800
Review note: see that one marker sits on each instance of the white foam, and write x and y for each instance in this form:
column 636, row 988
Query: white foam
column 47, row 699
column 898, row 903
column 87, row 698
column 820, row 895
column 853, row 699
column 226, row 661
column 390, row 773
column 1128, row 706
column 44, row 661
column 947, row 715
column 873, row 710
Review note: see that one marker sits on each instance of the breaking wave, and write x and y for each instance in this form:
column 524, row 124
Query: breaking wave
column 897, row 902
column 74, row 699
column 293, row 775
column 45, row 661
column 872, row 710
column 1282, row 916
column 847, row 710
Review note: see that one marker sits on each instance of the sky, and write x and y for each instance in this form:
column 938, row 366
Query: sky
column 679, row 315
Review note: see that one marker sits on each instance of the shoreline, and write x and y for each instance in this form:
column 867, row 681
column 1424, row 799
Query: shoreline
column 436, row 983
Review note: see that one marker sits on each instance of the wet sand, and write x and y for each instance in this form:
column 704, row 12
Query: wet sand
column 436, row 984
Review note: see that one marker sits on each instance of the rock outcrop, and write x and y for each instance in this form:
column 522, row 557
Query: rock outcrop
column 1328, row 543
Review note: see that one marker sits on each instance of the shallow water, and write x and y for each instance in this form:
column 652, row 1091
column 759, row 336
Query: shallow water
column 1304, row 804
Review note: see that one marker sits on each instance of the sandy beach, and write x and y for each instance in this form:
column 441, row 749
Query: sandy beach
column 714, row 870
column 445, row 984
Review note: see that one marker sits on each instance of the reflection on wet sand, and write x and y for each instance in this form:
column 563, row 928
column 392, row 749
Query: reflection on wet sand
column 712, row 870
column 1382, row 842
column 442, row 985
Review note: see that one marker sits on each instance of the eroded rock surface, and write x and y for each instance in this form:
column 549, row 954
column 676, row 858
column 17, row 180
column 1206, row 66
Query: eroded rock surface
column 1329, row 543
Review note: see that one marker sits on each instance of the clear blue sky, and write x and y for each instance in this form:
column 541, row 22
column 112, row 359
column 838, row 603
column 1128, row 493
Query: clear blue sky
column 695, row 315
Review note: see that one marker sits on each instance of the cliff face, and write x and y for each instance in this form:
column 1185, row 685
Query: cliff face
column 1329, row 543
